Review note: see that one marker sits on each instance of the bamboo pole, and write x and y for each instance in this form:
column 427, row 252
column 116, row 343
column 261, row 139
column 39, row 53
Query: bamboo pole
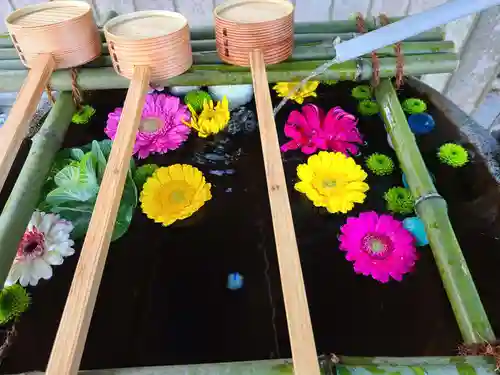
column 26, row 191
column 312, row 51
column 221, row 74
column 464, row 298
column 294, row 294
column 308, row 28
column 69, row 343
column 368, row 365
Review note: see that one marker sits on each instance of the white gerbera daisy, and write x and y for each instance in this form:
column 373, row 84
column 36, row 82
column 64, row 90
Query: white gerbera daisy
column 44, row 244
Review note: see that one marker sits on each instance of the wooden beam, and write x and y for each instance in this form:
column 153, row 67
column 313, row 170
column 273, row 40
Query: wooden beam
column 297, row 311
column 73, row 328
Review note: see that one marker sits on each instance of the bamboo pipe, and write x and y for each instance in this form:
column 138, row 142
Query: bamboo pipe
column 457, row 280
column 304, row 50
column 221, row 74
column 72, row 332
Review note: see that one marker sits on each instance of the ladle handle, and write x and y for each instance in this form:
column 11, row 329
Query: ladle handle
column 305, row 360
column 70, row 339
column 15, row 129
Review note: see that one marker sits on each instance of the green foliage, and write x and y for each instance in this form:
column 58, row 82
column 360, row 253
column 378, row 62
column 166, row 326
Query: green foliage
column 368, row 107
column 142, row 173
column 73, row 183
column 196, row 98
column 414, row 105
column 399, row 200
column 329, row 82
column 14, row 300
column 380, row 164
column 454, row 155
column 84, row 115
column 362, row 92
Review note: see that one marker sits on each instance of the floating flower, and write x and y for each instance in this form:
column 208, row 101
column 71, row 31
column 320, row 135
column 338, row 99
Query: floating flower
column 284, row 89
column 196, row 98
column 174, row 193
column 332, row 180
column 211, row 120
column 311, row 130
column 44, row 244
column 329, row 82
column 414, row 105
column 379, row 246
column 14, row 300
column 362, row 92
column 368, row 107
column 454, row 155
column 84, row 115
column 399, row 200
column 161, row 128
column 142, row 173
column 380, row 164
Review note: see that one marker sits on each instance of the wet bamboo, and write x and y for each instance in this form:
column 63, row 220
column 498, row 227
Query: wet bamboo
column 312, row 51
column 331, row 27
column 457, row 280
column 27, row 189
column 221, row 74
column 369, row 366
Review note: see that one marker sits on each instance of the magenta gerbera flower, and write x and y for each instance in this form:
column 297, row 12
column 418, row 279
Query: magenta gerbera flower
column 161, row 128
column 311, row 130
column 378, row 246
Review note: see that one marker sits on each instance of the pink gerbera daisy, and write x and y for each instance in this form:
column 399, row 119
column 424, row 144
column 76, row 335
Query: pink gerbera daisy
column 161, row 128
column 378, row 246
column 311, row 130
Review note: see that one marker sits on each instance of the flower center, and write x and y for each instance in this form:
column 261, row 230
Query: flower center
column 329, row 183
column 377, row 245
column 32, row 244
column 150, row 124
column 177, row 196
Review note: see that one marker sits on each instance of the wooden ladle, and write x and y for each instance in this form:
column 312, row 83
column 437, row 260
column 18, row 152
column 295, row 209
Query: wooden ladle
column 49, row 36
column 144, row 46
column 255, row 33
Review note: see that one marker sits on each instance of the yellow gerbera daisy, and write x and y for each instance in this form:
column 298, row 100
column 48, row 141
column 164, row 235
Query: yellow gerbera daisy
column 283, row 89
column 332, row 180
column 211, row 120
column 174, row 193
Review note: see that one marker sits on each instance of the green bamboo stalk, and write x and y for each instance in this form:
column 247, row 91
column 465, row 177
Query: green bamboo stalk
column 26, row 191
column 284, row 367
column 314, row 51
column 464, row 298
column 221, row 74
column 330, row 27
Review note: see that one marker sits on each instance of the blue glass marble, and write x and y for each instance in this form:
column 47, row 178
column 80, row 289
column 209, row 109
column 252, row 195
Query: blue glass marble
column 421, row 123
column 416, row 227
column 234, row 281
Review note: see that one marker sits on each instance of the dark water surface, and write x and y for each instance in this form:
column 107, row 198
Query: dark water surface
column 163, row 298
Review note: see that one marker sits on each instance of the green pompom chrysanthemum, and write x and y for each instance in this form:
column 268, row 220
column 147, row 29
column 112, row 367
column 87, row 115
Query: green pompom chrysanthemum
column 414, row 105
column 368, row 107
column 14, row 300
column 454, row 155
column 380, row 164
column 84, row 115
column 399, row 200
column 142, row 173
column 196, row 98
column 362, row 92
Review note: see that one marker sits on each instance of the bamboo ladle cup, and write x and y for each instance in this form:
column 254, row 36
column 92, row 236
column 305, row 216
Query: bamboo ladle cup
column 149, row 46
column 50, row 36
column 253, row 33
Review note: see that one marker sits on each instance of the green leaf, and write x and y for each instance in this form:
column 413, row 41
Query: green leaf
column 76, row 153
column 68, row 177
column 88, row 176
column 100, row 159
